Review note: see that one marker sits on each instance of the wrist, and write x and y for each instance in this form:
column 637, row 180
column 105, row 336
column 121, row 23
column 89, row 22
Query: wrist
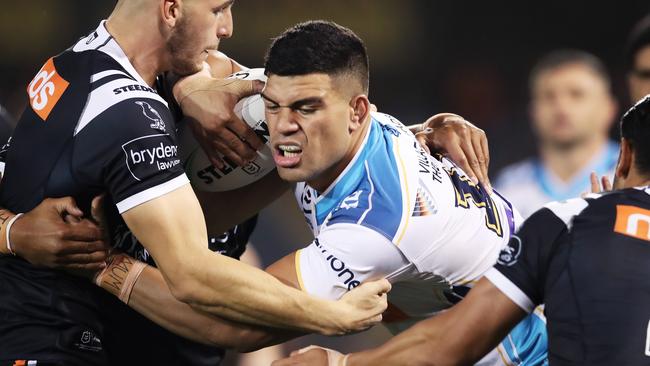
column 7, row 220
column 120, row 275
column 186, row 85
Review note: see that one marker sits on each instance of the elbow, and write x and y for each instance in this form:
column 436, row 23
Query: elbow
column 185, row 286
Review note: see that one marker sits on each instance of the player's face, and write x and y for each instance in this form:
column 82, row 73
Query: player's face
column 202, row 24
column 639, row 78
column 571, row 105
column 309, row 124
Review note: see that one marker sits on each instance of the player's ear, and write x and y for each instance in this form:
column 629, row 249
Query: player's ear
column 170, row 10
column 359, row 110
column 625, row 159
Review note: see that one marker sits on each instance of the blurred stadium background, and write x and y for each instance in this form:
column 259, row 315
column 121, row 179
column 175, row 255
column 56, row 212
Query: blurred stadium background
column 427, row 56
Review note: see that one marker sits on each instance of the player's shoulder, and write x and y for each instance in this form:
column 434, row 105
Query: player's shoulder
column 515, row 174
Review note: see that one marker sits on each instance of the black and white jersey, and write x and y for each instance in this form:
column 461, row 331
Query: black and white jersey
column 588, row 261
column 93, row 126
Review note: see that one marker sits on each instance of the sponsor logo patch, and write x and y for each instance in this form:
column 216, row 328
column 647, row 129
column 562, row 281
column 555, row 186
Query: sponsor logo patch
column 633, row 221
column 46, row 89
column 149, row 155
column 511, row 252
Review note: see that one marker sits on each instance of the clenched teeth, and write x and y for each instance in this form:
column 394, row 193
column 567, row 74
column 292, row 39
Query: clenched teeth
column 289, row 150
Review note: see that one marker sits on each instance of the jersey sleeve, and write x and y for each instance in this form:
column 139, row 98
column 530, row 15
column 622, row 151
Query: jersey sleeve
column 342, row 257
column 131, row 151
column 522, row 266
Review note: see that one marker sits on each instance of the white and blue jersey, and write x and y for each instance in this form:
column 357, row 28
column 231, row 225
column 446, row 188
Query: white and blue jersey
column 529, row 185
column 399, row 213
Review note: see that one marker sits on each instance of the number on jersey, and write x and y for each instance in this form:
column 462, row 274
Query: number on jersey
column 467, row 191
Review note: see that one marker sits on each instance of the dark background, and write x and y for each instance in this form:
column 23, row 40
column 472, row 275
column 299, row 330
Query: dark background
column 467, row 57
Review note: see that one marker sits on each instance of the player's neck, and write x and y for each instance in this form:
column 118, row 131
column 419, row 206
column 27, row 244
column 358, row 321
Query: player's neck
column 142, row 47
column 328, row 177
column 565, row 163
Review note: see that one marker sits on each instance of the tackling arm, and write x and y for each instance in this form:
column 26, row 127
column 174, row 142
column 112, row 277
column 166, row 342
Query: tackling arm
column 459, row 336
column 171, row 227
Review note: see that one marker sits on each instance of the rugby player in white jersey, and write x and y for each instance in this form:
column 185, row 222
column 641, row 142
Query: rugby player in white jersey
column 378, row 204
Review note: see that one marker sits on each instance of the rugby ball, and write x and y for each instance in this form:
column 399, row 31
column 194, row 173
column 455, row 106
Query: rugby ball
column 206, row 177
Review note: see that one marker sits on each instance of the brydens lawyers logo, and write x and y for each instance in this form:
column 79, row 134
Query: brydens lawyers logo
column 46, row 90
column 148, row 155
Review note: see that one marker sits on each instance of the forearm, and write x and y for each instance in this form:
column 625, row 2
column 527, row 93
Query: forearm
column 458, row 336
column 173, row 231
column 239, row 292
column 151, row 297
column 419, row 345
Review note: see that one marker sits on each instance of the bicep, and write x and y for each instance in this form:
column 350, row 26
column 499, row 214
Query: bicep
column 171, row 227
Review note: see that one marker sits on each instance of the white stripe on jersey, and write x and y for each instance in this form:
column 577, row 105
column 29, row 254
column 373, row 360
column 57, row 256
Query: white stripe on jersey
column 104, row 97
column 566, row 210
column 372, row 190
column 151, row 193
column 102, row 41
column 510, row 289
column 103, row 74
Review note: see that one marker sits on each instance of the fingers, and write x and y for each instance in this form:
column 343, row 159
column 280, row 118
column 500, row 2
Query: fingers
column 82, row 247
column 84, row 231
column 66, row 205
column 607, row 185
column 96, row 208
column 422, row 139
column 480, row 166
column 381, row 286
column 86, row 258
column 89, row 267
column 595, row 185
column 246, row 133
column 475, row 173
column 485, row 163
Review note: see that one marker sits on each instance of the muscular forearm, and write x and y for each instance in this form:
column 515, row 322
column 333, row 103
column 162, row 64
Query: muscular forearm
column 239, row 292
column 458, row 336
column 151, row 297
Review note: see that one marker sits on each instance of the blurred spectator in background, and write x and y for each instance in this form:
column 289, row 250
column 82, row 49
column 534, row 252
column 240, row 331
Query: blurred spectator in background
column 572, row 109
column 638, row 60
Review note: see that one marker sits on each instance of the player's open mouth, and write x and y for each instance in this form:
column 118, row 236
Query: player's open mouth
column 287, row 156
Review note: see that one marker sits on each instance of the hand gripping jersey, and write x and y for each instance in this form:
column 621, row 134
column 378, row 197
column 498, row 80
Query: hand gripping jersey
column 587, row 260
column 397, row 212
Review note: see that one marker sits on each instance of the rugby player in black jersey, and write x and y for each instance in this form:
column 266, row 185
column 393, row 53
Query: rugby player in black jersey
column 95, row 125
column 586, row 259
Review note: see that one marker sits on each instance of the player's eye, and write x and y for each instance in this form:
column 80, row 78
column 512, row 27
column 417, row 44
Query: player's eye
column 306, row 111
column 271, row 108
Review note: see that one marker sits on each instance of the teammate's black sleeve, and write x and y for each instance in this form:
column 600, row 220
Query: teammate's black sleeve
column 131, row 151
column 522, row 267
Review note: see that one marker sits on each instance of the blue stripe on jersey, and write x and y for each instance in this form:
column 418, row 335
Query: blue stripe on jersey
column 370, row 193
column 527, row 343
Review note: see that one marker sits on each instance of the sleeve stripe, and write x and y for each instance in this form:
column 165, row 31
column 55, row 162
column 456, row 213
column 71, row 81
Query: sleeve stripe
column 510, row 289
column 151, row 193
column 567, row 210
column 298, row 270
